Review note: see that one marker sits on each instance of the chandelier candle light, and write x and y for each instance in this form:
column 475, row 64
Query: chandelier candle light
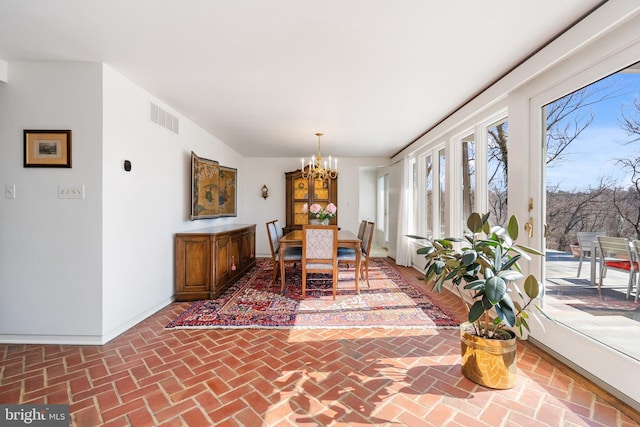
column 316, row 169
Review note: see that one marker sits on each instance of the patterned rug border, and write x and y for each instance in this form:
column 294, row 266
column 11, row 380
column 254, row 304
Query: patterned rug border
column 246, row 281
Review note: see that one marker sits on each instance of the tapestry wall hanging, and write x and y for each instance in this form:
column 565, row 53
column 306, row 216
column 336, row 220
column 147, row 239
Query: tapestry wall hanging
column 213, row 189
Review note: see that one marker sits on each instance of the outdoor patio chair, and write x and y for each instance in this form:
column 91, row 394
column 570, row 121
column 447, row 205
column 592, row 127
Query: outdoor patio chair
column 320, row 253
column 616, row 254
column 585, row 244
column 636, row 254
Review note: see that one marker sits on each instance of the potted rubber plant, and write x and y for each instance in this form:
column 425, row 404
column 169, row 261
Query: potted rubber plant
column 484, row 262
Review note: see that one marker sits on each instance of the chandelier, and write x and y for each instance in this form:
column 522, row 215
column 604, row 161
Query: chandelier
column 317, row 169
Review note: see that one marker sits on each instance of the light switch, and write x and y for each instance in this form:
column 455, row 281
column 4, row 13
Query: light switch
column 70, row 191
column 10, row 191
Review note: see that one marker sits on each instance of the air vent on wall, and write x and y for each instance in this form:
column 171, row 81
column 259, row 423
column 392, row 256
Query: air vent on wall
column 164, row 118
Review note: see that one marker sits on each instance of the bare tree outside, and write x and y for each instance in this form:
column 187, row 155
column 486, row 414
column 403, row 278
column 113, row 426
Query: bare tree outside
column 498, row 171
column 612, row 204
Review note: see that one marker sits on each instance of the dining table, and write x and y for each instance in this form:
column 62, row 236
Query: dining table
column 346, row 239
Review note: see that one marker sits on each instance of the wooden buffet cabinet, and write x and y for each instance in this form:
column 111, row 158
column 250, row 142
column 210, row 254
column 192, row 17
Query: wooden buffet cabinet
column 209, row 260
column 297, row 194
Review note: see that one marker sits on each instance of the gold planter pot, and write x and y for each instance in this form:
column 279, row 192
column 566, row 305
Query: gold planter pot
column 488, row 362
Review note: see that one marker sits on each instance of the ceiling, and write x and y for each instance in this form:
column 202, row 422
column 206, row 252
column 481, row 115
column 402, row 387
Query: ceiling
column 265, row 76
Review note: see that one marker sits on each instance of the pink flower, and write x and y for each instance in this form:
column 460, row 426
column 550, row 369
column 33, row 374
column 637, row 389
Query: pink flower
column 331, row 209
column 315, row 208
column 305, row 208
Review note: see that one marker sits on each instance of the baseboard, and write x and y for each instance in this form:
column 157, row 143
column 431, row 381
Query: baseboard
column 113, row 333
column 51, row 339
column 82, row 339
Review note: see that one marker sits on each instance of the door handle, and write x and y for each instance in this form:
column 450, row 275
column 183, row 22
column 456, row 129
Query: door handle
column 528, row 227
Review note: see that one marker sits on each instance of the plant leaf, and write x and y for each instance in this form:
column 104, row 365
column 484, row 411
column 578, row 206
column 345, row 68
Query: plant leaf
column 514, row 259
column 510, row 275
column 495, row 289
column 426, row 250
column 474, row 222
column 476, row 311
column 413, row 236
column 531, row 287
column 469, row 256
column 505, row 311
column 513, row 228
column 527, row 250
column 476, row 284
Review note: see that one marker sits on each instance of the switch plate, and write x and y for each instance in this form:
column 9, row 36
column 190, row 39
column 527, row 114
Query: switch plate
column 10, row 191
column 71, row 191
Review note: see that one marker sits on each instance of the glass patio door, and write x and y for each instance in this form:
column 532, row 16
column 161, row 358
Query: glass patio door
column 589, row 183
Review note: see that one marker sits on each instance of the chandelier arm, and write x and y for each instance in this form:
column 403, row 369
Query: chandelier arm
column 315, row 169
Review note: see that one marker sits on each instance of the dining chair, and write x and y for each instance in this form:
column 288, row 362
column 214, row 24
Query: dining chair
column 279, row 231
column 616, row 254
column 292, row 255
column 347, row 256
column 319, row 253
column 363, row 224
column 585, row 244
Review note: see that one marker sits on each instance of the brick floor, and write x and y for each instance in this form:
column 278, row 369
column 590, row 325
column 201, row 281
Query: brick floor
column 251, row 377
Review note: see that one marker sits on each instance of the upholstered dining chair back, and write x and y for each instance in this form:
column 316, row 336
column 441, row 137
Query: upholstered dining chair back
column 319, row 253
column 367, row 237
column 279, row 231
column 363, row 225
column 292, row 255
column 274, row 240
column 349, row 256
column 365, row 247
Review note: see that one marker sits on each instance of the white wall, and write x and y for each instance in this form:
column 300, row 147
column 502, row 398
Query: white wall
column 395, row 177
column 50, row 248
column 145, row 207
column 83, row 271
column 367, row 195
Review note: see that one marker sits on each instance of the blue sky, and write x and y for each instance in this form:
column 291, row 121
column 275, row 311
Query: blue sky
column 593, row 155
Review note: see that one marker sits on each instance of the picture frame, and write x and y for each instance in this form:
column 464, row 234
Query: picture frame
column 205, row 190
column 47, row 148
column 213, row 189
column 228, row 194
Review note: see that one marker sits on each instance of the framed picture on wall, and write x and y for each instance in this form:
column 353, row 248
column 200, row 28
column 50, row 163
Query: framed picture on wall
column 213, row 189
column 47, row 148
column 205, row 190
column 227, row 198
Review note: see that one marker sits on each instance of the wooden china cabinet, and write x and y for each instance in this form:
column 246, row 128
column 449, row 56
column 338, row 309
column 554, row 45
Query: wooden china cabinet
column 307, row 190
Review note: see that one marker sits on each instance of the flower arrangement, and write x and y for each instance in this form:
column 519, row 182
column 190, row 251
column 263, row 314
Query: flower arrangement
column 316, row 211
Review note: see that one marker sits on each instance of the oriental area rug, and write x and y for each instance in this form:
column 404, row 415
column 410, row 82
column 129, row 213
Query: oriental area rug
column 254, row 301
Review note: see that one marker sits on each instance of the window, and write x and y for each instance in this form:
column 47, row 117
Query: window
column 468, row 175
column 497, row 172
column 429, row 197
column 442, row 184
